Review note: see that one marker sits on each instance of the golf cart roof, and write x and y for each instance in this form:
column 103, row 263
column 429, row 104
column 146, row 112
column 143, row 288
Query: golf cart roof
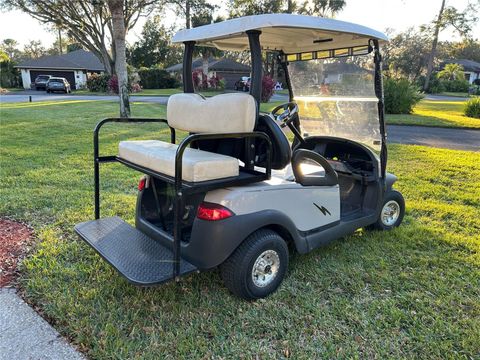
column 286, row 32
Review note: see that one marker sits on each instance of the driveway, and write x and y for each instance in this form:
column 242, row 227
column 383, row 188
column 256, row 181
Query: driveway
column 457, row 139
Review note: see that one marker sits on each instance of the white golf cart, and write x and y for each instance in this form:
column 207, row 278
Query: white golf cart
column 235, row 193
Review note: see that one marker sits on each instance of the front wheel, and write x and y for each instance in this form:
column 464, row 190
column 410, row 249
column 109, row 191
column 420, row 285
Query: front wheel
column 392, row 212
column 257, row 268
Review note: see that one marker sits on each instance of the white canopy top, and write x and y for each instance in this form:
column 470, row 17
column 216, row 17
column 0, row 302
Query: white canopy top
column 286, row 32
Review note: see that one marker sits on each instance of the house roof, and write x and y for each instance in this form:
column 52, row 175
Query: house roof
column 286, row 32
column 222, row 64
column 468, row 65
column 76, row 60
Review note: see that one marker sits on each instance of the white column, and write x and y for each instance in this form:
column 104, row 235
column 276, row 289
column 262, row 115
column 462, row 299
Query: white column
column 26, row 78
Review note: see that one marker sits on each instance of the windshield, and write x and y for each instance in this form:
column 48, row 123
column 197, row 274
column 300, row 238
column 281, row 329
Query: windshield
column 336, row 97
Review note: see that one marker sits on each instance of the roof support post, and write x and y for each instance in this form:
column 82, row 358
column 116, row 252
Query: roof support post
column 377, row 58
column 256, row 54
column 187, row 67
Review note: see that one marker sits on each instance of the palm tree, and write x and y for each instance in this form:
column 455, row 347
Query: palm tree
column 452, row 72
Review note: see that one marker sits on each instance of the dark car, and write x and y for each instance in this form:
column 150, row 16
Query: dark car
column 243, row 84
column 41, row 81
column 58, row 84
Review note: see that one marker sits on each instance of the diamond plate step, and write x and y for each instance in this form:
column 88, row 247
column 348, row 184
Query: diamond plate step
column 142, row 260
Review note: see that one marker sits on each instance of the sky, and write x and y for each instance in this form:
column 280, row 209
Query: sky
column 377, row 14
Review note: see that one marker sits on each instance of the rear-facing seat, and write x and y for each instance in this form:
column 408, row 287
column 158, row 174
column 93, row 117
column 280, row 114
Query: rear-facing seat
column 226, row 113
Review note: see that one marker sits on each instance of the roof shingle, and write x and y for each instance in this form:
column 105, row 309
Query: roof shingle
column 78, row 60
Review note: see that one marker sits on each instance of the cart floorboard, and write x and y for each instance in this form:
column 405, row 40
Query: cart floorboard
column 139, row 258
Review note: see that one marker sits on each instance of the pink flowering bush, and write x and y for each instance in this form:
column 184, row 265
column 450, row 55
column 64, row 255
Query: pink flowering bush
column 268, row 87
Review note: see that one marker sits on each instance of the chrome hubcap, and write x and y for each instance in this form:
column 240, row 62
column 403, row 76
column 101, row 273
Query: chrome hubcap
column 390, row 213
column 265, row 268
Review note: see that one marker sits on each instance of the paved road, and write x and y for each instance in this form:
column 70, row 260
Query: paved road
column 16, row 98
column 23, row 96
column 25, row 335
column 445, row 98
column 459, row 139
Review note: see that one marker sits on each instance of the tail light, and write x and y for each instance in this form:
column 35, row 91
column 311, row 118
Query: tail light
column 213, row 212
column 142, row 184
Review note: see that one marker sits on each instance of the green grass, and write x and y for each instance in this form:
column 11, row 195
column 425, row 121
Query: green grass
column 409, row 293
column 436, row 113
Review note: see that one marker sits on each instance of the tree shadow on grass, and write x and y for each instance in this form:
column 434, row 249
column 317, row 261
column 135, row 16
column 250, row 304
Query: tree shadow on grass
column 409, row 288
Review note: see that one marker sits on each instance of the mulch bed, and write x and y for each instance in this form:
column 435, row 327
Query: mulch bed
column 15, row 238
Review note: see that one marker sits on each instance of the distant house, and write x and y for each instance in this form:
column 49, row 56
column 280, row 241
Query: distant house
column 74, row 66
column 231, row 71
column 470, row 67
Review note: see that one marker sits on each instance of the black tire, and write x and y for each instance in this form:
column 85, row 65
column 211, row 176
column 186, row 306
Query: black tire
column 237, row 270
column 382, row 224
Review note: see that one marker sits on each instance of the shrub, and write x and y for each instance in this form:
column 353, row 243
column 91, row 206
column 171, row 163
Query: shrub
column 456, row 85
column 400, row 96
column 200, row 81
column 113, row 84
column 268, row 88
column 472, row 108
column 98, row 82
column 156, row 79
column 435, row 85
column 135, row 88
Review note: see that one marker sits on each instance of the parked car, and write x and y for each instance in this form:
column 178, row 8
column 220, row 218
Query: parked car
column 243, row 84
column 58, row 84
column 41, row 81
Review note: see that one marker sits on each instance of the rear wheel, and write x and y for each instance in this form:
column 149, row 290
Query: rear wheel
column 257, row 267
column 392, row 212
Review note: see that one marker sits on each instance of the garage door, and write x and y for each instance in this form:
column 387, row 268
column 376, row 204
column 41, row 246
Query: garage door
column 231, row 78
column 69, row 75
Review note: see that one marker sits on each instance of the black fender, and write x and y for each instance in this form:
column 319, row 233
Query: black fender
column 390, row 179
column 212, row 242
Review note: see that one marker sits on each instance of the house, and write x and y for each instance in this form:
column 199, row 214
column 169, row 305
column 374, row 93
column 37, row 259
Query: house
column 74, row 66
column 470, row 67
column 229, row 70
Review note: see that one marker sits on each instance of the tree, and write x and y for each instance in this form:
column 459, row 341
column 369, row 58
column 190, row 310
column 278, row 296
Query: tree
column 89, row 22
column 34, row 50
column 465, row 49
column 154, row 47
column 406, row 54
column 452, row 72
column 190, row 7
column 448, row 16
column 199, row 19
column 323, row 8
column 10, row 47
column 119, row 32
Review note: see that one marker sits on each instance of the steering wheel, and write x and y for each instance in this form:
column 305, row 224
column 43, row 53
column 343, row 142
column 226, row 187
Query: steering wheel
column 285, row 117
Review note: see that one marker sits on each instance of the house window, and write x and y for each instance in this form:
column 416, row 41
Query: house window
column 467, row 76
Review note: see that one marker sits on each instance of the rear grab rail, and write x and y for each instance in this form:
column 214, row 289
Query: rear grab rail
column 184, row 144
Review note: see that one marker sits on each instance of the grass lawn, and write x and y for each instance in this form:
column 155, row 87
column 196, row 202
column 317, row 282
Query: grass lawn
column 409, row 293
column 436, row 113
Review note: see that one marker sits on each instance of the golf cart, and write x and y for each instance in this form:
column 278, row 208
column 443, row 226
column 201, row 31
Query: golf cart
column 235, row 193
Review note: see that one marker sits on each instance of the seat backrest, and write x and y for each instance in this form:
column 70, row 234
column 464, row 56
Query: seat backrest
column 225, row 113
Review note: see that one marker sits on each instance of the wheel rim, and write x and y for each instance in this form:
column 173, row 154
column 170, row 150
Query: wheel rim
column 390, row 213
column 265, row 268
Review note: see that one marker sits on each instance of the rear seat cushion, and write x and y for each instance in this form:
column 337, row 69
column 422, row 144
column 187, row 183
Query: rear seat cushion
column 159, row 156
column 225, row 113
